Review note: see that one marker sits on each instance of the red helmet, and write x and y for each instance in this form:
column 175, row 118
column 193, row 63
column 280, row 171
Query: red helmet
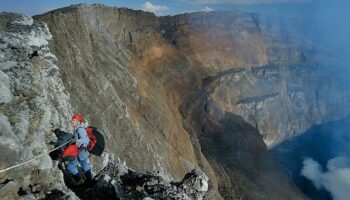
column 79, row 117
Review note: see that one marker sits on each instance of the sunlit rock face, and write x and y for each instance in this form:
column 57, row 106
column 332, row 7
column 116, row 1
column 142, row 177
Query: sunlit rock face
column 217, row 41
column 32, row 98
column 262, row 68
column 33, row 102
column 146, row 80
column 200, row 90
column 127, row 79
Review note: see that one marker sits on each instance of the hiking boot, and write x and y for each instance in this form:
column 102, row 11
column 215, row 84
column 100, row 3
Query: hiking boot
column 88, row 175
column 78, row 179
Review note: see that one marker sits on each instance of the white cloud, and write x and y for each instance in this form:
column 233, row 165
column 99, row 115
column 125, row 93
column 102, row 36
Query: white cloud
column 250, row 1
column 336, row 180
column 156, row 9
column 207, row 9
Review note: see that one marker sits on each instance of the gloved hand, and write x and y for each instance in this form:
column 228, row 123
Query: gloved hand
column 57, row 131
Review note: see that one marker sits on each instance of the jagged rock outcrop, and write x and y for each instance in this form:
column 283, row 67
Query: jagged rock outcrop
column 33, row 102
column 129, row 184
column 115, row 180
column 31, row 98
column 104, row 70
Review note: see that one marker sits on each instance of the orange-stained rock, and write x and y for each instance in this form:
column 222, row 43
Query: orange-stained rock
column 199, row 90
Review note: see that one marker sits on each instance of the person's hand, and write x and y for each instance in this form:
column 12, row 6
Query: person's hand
column 57, row 131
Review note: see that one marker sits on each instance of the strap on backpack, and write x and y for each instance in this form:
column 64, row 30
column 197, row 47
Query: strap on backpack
column 76, row 131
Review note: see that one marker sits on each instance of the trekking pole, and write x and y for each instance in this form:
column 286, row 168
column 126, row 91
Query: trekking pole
column 40, row 155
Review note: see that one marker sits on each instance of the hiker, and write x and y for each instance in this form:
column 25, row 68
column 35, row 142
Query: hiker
column 81, row 139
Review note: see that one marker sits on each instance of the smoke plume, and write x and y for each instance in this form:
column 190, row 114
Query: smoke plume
column 335, row 179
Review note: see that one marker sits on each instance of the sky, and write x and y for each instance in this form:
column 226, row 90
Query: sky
column 159, row 7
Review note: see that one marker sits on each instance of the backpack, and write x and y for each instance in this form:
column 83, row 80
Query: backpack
column 97, row 141
column 96, row 145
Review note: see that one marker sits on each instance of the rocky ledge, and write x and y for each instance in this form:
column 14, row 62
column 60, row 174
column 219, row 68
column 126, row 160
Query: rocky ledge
column 32, row 99
column 116, row 181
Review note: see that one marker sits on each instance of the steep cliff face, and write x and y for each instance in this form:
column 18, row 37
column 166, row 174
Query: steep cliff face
column 31, row 98
column 217, row 41
column 33, row 101
column 98, row 62
column 143, row 69
column 199, row 90
column 262, row 68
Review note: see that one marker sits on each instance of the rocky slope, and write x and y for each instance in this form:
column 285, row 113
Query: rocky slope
column 31, row 98
column 200, row 90
column 261, row 68
column 33, row 102
column 102, row 64
column 115, row 180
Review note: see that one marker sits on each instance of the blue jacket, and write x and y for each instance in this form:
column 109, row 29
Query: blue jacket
column 80, row 136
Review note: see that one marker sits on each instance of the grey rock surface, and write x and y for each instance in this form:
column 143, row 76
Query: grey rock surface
column 148, row 79
column 34, row 101
column 30, row 93
column 115, row 180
